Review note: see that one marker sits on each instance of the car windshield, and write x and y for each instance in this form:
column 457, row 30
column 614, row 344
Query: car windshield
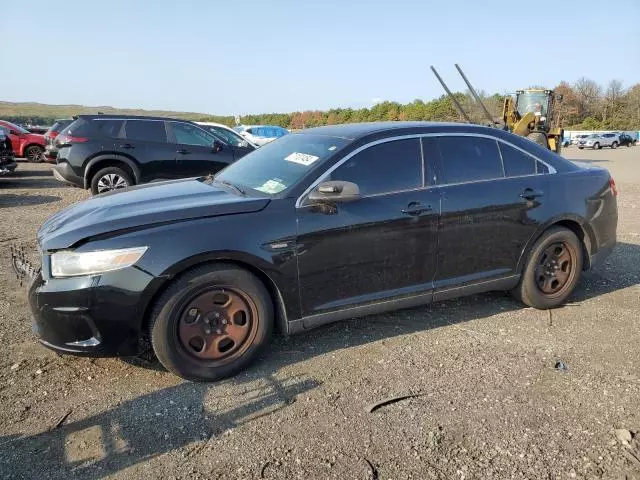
column 276, row 167
column 228, row 136
column 593, row 135
column 18, row 128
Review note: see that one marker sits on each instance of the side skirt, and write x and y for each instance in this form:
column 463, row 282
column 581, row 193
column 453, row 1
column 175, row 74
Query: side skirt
column 313, row 321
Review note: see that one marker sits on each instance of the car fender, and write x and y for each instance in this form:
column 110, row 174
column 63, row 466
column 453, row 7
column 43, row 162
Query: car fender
column 105, row 157
column 586, row 237
column 260, row 267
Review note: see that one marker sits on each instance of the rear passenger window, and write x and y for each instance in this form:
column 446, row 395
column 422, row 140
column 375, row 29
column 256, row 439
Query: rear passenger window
column 384, row 168
column 146, row 130
column 516, row 163
column 468, row 159
column 108, row 128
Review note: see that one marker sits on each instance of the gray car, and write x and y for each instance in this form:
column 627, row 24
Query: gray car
column 599, row 140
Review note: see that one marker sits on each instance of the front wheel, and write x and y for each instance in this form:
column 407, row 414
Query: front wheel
column 597, row 146
column 614, row 145
column 552, row 270
column 34, row 153
column 211, row 323
column 539, row 138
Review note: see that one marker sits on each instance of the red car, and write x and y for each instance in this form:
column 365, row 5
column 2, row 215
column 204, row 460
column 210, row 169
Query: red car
column 23, row 143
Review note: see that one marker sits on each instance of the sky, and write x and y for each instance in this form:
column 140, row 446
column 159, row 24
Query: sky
column 255, row 56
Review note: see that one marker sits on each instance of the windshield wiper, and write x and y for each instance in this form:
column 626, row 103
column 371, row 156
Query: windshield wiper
column 231, row 185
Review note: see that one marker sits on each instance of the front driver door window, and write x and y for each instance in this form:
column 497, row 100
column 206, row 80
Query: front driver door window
column 370, row 249
column 195, row 150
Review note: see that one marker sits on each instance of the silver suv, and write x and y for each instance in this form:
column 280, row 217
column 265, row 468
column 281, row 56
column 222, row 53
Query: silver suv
column 599, row 140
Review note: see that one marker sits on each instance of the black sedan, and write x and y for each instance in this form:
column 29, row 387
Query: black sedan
column 323, row 225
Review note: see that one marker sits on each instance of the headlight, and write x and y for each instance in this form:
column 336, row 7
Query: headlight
column 68, row 263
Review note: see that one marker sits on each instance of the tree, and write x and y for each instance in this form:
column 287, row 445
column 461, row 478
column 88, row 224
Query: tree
column 588, row 93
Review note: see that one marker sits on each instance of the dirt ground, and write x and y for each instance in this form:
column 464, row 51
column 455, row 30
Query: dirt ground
column 490, row 402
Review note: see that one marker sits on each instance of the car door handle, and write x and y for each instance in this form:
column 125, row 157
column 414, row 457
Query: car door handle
column 531, row 193
column 416, row 208
column 127, row 146
column 183, row 151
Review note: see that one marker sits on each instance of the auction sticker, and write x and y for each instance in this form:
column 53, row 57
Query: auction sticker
column 301, row 158
column 272, row 186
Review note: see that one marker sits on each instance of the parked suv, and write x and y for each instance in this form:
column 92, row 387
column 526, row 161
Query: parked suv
column 24, row 143
column 109, row 152
column 7, row 160
column 51, row 149
column 626, row 139
column 599, row 140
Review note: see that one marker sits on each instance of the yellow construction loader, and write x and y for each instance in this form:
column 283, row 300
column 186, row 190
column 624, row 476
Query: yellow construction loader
column 529, row 113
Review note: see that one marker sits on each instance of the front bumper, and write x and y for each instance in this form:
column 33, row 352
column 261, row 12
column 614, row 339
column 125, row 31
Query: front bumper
column 64, row 173
column 98, row 315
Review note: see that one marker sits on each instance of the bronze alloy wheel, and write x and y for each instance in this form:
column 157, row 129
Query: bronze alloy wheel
column 218, row 324
column 555, row 269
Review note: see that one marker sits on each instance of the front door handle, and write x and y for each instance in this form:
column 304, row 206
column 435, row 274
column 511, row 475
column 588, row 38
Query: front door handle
column 531, row 193
column 183, row 151
column 416, row 208
column 127, row 146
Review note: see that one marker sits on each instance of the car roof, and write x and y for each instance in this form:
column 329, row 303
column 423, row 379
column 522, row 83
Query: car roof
column 354, row 131
column 131, row 117
column 214, row 124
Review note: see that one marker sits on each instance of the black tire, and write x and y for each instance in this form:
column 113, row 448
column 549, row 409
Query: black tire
column 528, row 290
column 116, row 176
column 34, row 153
column 614, row 145
column 597, row 146
column 581, row 148
column 539, row 138
column 175, row 305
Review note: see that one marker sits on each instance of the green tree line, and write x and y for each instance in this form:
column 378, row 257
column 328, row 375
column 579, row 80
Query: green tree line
column 585, row 105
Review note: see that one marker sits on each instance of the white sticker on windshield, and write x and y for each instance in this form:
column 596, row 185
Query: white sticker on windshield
column 301, row 158
column 272, row 186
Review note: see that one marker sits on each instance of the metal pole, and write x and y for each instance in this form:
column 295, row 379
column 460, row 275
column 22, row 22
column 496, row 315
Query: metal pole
column 453, row 99
column 475, row 95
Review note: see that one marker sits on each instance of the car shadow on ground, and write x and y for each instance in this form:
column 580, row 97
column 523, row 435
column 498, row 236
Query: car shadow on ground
column 30, row 179
column 10, row 200
column 142, row 428
column 176, row 417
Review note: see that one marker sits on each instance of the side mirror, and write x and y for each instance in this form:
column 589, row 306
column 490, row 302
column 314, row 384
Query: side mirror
column 217, row 146
column 336, row 191
column 243, row 144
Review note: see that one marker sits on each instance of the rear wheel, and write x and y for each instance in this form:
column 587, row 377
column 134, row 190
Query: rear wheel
column 552, row 270
column 539, row 138
column 211, row 323
column 110, row 178
column 614, row 145
column 34, row 153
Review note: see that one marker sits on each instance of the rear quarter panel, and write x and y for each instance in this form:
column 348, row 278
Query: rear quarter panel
column 584, row 196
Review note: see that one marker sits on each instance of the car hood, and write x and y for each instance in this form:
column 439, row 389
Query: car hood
column 141, row 207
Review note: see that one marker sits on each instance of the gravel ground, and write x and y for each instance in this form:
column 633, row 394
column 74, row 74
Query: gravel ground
column 489, row 402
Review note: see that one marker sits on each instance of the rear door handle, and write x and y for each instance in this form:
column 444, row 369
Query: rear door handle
column 127, row 146
column 183, row 151
column 531, row 193
column 416, row 208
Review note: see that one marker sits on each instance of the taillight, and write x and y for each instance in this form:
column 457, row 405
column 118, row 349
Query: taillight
column 53, row 134
column 69, row 139
column 612, row 185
